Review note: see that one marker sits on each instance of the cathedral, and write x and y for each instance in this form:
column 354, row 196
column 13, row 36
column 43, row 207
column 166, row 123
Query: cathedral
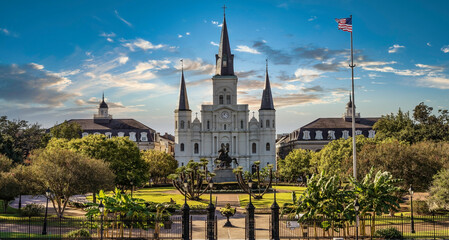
column 225, row 124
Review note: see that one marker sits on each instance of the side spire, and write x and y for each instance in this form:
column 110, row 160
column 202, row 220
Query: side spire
column 224, row 58
column 183, row 100
column 267, row 98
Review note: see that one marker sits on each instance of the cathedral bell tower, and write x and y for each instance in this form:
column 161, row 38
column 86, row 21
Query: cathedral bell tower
column 183, row 119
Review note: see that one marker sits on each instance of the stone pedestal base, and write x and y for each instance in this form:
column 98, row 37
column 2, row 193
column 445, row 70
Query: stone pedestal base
column 224, row 175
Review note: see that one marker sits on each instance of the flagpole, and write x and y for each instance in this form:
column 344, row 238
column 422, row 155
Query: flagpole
column 354, row 152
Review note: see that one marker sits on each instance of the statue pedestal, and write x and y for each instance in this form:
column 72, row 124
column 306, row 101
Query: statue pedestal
column 224, row 175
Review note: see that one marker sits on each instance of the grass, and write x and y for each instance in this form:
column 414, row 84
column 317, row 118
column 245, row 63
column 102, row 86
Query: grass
column 25, row 235
column 161, row 195
column 267, row 200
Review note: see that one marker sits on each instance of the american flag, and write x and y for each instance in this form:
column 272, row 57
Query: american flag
column 344, row 24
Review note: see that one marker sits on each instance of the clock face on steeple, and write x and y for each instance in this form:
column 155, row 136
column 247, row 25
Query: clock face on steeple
column 225, row 115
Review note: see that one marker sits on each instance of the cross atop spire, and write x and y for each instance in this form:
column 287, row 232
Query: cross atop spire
column 224, row 58
column 224, row 9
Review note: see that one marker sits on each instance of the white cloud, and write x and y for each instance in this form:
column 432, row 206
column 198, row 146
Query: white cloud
column 244, row 48
column 123, row 59
column 217, row 23
column 441, row 82
column 197, row 65
column 143, row 44
column 428, row 44
column 106, row 35
column 36, row 66
column 306, row 75
column 188, row 33
column 445, row 49
column 395, row 48
column 5, row 31
column 214, row 43
column 312, row 18
column 122, row 19
column 179, row 36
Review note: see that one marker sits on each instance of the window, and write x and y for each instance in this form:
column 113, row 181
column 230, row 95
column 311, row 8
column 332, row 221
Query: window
column 228, row 99
column 176, row 124
column 220, row 99
column 306, row 135
column 345, row 134
column 108, row 134
column 331, row 134
column 97, row 133
column 132, row 136
column 318, row 135
column 267, row 124
column 267, row 147
column 261, row 124
column 371, row 133
column 254, row 148
column 85, row 134
column 196, row 148
column 121, row 134
column 241, row 124
column 143, row 137
column 208, row 125
column 225, row 60
column 224, row 127
column 358, row 132
column 182, row 147
column 182, row 124
column 274, row 124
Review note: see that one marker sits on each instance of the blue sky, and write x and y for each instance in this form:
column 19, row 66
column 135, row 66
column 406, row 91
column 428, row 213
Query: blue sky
column 57, row 57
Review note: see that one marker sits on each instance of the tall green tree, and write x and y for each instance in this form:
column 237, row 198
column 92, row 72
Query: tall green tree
column 160, row 164
column 5, row 163
column 296, row 164
column 439, row 190
column 67, row 173
column 122, row 154
column 9, row 188
column 67, row 130
column 18, row 138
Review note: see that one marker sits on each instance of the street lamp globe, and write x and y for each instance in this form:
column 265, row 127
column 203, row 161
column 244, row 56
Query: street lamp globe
column 410, row 190
column 250, row 183
column 211, row 183
column 101, row 207
column 356, row 205
column 185, row 183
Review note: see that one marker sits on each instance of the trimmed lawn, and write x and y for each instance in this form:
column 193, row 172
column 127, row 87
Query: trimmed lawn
column 267, row 200
column 26, row 235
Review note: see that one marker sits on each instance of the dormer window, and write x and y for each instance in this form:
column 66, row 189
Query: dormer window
column 143, row 137
column 331, row 135
column 371, row 133
column 306, row 135
column 318, row 135
column 121, row 134
column 132, row 136
column 85, row 134
column 345, row 134
column 108, row 134
column 358, row 132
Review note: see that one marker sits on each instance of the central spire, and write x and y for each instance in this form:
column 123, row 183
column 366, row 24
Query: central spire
column 183, row 100
column 224, row 58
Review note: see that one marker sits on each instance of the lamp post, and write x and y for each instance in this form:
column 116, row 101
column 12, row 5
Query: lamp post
column 410, row 190
column 210, row 214
column 275, row 216
column 250, row 213
column 48, row 195
column 101, row 208
column 356, row 208
column 185, row 214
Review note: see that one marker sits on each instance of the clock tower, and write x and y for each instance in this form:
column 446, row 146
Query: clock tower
column 225, row 122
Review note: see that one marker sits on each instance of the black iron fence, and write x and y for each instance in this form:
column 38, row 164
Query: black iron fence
column 108, row 228
column 425, row 227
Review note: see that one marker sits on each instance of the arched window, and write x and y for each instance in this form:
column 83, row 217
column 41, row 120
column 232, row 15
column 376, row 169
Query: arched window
column 220, row 99
column 182, row 124
column 176, row 124
column 196, row 148
column 85, row 134
column 224, row 127
column 261, row 124
column 208, row 125
column 254, row 148
column 267, row 124
column 241, row 124
column 228, row 99
column 182, row 147
column 267, row 147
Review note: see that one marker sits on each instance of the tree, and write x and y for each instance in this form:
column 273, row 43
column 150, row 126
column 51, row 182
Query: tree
column 415, row 163
column 67, row 130
column 439, row 191
column 296, row 164
column 68, row 173
column 196, row 176
column 332, row 159
column 18, row 138
column 262, row 179
column 377, row 194
column 160, row 164
column 9, row 188
column 399, row 126
column 122, row 154
column 5, row 163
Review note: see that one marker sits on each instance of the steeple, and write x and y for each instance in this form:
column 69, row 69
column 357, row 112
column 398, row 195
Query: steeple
column 224, row 58
column 183, row 100
column 103, row 103
column 267, row 98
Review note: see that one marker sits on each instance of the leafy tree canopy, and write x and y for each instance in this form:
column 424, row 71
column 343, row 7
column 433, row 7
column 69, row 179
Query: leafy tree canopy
column 296, row 164
column 160, row 164
column 439, row 191
column 67, row 130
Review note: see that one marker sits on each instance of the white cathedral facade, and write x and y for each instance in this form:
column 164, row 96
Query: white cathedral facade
column 225, row 122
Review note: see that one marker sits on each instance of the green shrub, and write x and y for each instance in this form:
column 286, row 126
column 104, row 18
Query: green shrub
column 79, row 234
column 32, row 210
column 388, row 233
column 421, row 207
